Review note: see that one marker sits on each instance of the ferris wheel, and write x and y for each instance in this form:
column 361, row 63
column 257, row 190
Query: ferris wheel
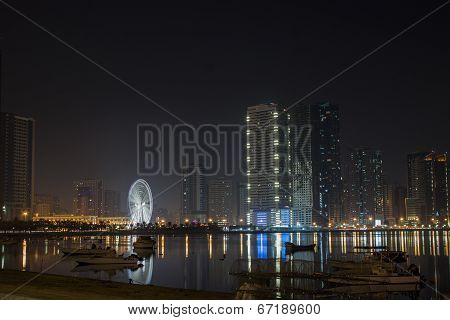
column 140, row 202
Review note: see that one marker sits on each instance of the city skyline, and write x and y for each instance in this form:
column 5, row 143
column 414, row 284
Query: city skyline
column 271, row 151
column 64, row 124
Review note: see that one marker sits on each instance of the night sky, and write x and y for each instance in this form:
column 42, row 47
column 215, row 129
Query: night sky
column 206, row 63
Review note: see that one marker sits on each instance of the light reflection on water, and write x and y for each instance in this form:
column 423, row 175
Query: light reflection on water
column 203, row 262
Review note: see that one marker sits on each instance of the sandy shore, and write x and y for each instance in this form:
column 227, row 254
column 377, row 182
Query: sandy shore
column 48, row 286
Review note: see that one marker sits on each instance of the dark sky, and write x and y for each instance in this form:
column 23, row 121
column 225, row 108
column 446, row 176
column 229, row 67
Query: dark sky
column 206, row 63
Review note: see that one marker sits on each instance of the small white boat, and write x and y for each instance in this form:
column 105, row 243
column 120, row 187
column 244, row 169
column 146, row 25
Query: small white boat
column 130, row 260
column 145, row 242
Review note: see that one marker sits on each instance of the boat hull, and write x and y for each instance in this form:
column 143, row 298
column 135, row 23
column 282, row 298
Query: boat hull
column 105, row 261
column 87, row 252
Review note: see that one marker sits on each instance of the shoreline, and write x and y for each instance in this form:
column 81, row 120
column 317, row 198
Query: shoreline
column 57, row 287
column 200, row 232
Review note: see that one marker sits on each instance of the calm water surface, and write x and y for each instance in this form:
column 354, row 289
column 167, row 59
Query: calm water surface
column 203, row 262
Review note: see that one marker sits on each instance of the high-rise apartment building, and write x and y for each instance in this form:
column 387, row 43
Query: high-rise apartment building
column 220, row 201
column 267, row 166
column 427, row 187
column 193, row 195
column 16, row 166
column 315, row 164
column 88, row 197
column 365, row 186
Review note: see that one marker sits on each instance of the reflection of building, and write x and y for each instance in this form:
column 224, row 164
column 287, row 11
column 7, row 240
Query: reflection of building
column 16, row 166
column 45, row 204
column 111, row 203
column 88, row 197
column 365, row 186
column 267, row 164
column 427, row 186
column 316, row 165
column 242, row 203
column 193, row 195
column 220, row 201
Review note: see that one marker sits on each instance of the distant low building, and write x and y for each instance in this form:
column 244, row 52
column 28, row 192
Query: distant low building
column 83, row 219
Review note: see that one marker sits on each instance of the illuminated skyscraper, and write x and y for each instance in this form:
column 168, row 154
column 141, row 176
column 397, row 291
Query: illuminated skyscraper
column 267, row 166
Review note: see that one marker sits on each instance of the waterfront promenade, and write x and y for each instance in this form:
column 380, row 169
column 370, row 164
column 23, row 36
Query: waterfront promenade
column 50, row 286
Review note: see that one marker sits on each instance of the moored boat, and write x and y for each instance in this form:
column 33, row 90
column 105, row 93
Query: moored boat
column 96, row 260
column 291, row 247
column 89, row 252
column 145, row 242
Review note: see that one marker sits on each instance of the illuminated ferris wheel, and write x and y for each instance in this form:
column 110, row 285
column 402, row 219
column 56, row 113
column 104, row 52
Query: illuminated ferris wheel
column 140, row 202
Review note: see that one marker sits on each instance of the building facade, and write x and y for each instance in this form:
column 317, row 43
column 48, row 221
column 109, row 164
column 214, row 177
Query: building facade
column 427, row 187
column 45, row 204
column 399, row 205
column 88, row 197
column 388, row 204
column 365, row 186
column 111, row 203
column 16, row 166
column 315, row 162
column 267, row 166
column 242, row 204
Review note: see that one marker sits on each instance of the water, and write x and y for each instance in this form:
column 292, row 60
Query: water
column 203, row 261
